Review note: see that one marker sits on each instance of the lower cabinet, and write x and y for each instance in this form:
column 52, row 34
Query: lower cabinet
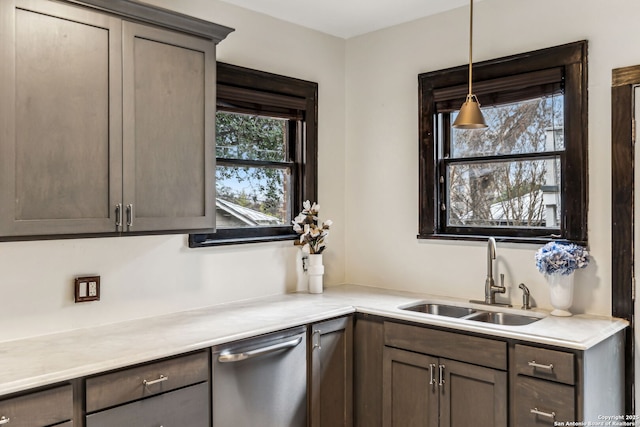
column 410, row 394
column 39, row 409
column 423, row 390
column 331, row 365
column 362, row 371
column 185, row 407
column 171, row 392
column 543, row 386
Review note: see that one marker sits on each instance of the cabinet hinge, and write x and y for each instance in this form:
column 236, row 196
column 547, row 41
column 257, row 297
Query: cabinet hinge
column 633, row 288
column 633, row 131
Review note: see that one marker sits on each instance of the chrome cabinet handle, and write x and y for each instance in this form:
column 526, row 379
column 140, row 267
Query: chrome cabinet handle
column 432, row 368
column 536, row 411
column 152, row 382
column 548, row 367
column 129, row 215
column 237, row 357
column 119, row 215
column 441, row 369
column 4, row 420
column 317, row 343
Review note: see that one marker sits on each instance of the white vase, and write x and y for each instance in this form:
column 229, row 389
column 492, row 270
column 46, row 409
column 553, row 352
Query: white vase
column 315, row 270
column 561, row 293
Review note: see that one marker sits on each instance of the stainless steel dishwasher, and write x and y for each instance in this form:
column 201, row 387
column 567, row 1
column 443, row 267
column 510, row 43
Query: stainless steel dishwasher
column 261, row 381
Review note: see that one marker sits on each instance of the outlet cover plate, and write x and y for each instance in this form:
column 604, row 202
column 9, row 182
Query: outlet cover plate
column 87, row 288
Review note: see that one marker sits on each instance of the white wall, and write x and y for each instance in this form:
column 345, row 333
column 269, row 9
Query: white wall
column 367, row 174
column 144, row 276
column 382, row 143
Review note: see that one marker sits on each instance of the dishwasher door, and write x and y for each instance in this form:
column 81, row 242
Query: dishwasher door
column 261, row 381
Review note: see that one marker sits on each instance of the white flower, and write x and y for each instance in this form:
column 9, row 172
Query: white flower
column 306, row 225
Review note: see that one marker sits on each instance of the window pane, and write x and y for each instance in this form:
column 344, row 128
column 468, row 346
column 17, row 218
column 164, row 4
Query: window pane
column 252, row 196
column 250, row 137
column 522, row 193
column 530, row 126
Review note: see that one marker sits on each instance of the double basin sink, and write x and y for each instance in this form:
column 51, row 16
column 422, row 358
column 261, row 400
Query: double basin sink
column 469, row 313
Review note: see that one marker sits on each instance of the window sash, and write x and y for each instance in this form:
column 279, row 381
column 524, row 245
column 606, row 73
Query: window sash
column 445, row 191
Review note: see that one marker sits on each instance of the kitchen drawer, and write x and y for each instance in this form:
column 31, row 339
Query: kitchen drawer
column 451, row 345
column 188, row 407
column 545, row 397
column 39, row 409
column 547, row 364
column 124, row 386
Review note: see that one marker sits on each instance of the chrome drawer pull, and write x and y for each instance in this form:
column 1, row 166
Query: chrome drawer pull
column 129, row 215
column 551, row 415
column 432, row 367
column 4, row 420
column 119, row 215
column 317, row 343
column 159, row 380
column 548, row 367
column 441, row 369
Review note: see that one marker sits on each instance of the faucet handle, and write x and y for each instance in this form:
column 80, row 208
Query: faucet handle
column 502, row 279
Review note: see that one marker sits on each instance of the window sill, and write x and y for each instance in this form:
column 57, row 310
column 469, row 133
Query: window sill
column 197, row 241
column 504, row 239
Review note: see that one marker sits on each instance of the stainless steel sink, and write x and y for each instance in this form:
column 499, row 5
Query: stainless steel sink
column 441, row 309
column 499, row 318
column 468, row 313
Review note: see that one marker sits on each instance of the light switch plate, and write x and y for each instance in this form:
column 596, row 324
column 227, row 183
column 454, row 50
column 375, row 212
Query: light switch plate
column 87, row 288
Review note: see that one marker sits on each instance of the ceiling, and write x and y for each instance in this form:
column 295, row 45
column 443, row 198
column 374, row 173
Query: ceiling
column 348, row 18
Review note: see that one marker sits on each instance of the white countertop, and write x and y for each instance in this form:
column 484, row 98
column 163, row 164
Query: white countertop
column 49, row 359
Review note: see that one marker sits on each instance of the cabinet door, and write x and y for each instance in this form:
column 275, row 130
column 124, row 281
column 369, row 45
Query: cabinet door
column 472, row 395
column 410, row 392
column 368, row 338
column 168, row 130
column 332, row 373
column 60, row 119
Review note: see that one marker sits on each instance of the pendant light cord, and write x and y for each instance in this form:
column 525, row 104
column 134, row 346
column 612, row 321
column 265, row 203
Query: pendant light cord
column 470, row 45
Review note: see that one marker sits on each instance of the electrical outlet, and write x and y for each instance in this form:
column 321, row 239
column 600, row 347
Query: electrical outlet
column 87, row 288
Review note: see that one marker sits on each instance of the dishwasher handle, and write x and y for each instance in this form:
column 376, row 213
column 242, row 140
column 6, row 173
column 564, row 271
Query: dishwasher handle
column 244, row 355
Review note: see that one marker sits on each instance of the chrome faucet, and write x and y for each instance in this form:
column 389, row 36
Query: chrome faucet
column 490, row 288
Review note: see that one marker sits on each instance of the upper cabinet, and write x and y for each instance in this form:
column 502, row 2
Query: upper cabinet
column 107, row 121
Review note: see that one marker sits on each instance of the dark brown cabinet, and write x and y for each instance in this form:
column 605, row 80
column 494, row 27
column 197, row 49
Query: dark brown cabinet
column 422, row 389
column 331, row 386
column 410, row 395
column 106, row 124
column 168, row 129
column 39, row 409
column 544, row 386
column 167, row 392
column 185, row 407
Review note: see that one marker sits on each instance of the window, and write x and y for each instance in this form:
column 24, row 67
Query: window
column 524, row 178
column 266, row 133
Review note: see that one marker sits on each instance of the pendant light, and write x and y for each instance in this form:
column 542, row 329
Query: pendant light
column 470, row 116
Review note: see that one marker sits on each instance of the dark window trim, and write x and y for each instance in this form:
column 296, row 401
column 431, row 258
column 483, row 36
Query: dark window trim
column 622, row 212
column 572, row 60
column 286, row 96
